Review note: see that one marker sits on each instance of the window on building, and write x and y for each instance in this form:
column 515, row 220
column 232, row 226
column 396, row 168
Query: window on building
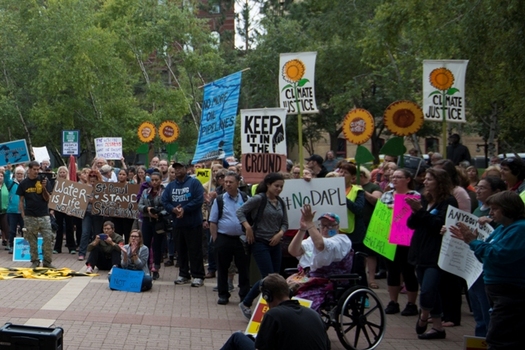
column 431, row 144
column 341, row 148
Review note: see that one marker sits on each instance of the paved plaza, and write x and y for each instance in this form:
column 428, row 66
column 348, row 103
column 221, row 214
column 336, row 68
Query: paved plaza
column 167, row 317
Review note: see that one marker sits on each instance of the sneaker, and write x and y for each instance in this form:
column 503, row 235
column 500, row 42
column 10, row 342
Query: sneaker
column 81, row 258
column 89, row 269
column 155, row 275
column 48, row 265
column 169, row 263
column 197, row 282
column 182, row 280
column 246, row 311
column 10, row 250
column 410, row 310
column 230, row 286
column 216, row 289
column 73, row 251
column 392, row 308
column 55, row 252
column 35, row 264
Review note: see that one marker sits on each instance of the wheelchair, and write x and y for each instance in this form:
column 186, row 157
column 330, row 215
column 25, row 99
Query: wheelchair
column 355, row 312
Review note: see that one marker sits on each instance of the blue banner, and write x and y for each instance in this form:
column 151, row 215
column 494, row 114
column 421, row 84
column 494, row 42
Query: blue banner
column 21, row 249
column 219, row 110
column 14, row 152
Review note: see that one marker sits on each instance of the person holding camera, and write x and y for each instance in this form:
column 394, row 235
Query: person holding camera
column 105, row 249
column 154, row 222
column 34, row 196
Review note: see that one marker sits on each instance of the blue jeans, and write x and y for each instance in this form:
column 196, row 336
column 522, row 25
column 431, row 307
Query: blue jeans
column 268, row 261
column 14, row 220
column 239, row 341
column 479, row 302
column 429, row 298
column 90, row 223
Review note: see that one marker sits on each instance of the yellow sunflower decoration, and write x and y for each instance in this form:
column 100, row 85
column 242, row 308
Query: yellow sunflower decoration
column 403, row 118
column 169, row 131
column 441, row 78
column 358, row 126
column 146, row 132
column 293, row 70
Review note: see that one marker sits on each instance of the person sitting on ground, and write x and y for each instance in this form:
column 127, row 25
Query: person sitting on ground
column 324, row 253
column 134, row 256
column 105, row 249
column 287, row 325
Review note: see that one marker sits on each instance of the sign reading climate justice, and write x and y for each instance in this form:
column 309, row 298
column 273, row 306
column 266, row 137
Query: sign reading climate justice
column 263, row 142
column 115, row 200
column 324, row 195
column 70, row 197
column 219, row 110
column 296, row 82
column 444, row 83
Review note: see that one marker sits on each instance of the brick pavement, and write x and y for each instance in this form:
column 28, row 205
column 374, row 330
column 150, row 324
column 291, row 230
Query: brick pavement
column 168, row 317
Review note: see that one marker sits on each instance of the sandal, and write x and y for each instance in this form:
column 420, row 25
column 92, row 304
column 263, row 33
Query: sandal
column 373, row 285
column 421, row 329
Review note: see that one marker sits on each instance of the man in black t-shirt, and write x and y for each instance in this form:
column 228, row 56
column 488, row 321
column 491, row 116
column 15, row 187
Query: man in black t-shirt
column 33, row 206
column 287, row 325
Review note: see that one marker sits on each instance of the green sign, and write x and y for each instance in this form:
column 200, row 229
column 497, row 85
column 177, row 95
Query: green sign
column 70, row 142
column 378, row 231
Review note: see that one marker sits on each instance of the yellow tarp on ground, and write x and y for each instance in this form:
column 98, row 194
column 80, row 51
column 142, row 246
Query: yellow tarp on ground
column 42, row 273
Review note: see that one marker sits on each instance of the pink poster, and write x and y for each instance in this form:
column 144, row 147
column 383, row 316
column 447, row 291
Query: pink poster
column 399, row 232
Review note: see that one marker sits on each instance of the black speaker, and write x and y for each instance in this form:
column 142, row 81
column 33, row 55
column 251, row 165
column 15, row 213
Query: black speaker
column 30, row 337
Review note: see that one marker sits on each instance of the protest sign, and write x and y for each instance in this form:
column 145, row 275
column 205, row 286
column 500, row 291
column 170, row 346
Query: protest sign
column 203, row 175
column 455, row 255
column 474, row 343
column 115, row 200
column 444, row 82
column 41, row 154
column 126, row 280
column 324, row 195
column 14, row 152
column 399, row 231
column 219, row 111
column 21, row 249
column 70, row 197
column 109, row 147
column 379, row 230
column 261, row 308
column 263, row 142
column 296, row 82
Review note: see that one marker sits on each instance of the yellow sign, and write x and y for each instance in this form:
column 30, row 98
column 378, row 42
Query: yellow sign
column 146, row 132
column 261, row 308
column 203, row 175
column 169, row 131
column 358, row 126
column 475, row 343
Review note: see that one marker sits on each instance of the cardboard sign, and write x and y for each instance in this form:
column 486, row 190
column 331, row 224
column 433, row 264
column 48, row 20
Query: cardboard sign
column 296, row 82
column 219, row 112
column 379, row 230
column 261, row 308
column 115, row 200
column 109, row 147
column 126, row 280
column 70, row 197
column 21, row 249
column 455, row 255
column 14, row 152
column 255, row 166
column 324, row 195
column 399, row 232
column 203, row 175
column 474, row 343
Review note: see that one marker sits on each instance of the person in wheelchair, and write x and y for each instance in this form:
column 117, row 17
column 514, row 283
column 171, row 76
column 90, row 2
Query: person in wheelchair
column 324, row 253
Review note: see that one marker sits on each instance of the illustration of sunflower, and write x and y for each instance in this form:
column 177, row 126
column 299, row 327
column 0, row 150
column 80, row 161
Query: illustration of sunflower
column 169, row 131
column 146, row 132
column 441, row 78
column 293, row 70
column 358, row 126
column 403, row 118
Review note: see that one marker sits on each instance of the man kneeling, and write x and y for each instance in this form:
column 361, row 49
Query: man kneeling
column 287, row 325
column 105, row 249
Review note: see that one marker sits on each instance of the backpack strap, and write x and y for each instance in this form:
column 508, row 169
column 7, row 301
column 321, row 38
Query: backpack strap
column 220, row 205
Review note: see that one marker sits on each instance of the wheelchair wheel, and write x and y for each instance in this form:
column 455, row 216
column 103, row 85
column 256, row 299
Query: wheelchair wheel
column 360, row 319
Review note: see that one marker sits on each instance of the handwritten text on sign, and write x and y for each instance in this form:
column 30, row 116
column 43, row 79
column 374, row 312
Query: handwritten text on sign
column 70, row 197
column 378, row 231
column 399, row 232
column 126, row 280
column 455, row 255
column 255, row 166
column 324, row 195
column 109, row 147
column 115, row 200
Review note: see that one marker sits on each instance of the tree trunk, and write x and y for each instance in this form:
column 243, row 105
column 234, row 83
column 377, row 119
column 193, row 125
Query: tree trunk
column 492, row 131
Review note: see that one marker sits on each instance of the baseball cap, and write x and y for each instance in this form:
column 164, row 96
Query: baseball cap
column 176, row 164
column 330, row 217
column 105, row 169
column 315, row 157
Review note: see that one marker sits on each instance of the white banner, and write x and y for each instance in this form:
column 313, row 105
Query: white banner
column 41, row 154
column 109, row 147
column 444, row 77
column 455, row 256
column 324, row 195
column 296, row 80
